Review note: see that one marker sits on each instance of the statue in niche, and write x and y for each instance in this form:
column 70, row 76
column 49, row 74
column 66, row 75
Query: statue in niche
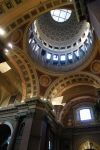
column 91, row 146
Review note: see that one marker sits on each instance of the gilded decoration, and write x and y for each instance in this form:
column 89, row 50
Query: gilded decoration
column 45, row 80
column 95, row 67
column 16, row 36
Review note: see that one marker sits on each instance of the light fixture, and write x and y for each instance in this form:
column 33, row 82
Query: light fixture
column 53, row 110
column 41, row 98
column 10, row 45
column 2, row 31
column 44, row 99
column 22, row 101
column 6, row 50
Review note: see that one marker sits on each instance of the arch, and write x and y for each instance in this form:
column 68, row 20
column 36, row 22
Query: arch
column 27, row 73
column 32, row 9
column 5, row 135
column 65, row 82
column 79, row 101
column 10, row 126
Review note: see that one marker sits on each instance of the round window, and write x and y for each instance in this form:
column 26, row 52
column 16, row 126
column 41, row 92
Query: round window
column 61, row 15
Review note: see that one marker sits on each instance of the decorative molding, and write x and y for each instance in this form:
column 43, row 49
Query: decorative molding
column 45, row 80
column 63, row 83
column 28, row 75
column 49, row 69
column 76, row 102
column 67, row 34
column 27, row 108
column 16, row 36
column 95, row 67
column 32, row 9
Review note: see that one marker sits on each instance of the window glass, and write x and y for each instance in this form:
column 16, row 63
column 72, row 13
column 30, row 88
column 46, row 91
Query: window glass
column 70, row 56
column 33, row 41
column 49, row 146
column 35, row 27
column 85, row 114
column 90, row 40
column 62, row 57
column 61, row 15
column 76, row 53
column 33, row 47
column 36, row 48
column 82, row 48
column 30, row 40
column 55, row 57
column 48, row 56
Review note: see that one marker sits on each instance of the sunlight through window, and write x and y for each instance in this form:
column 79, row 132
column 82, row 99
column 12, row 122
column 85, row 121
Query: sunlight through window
column 85, row 114
column 61, row 15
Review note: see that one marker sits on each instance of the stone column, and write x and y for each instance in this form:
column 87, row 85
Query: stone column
column 13, row 137
column 38, row 131
column 26, row 132
column 34, row 133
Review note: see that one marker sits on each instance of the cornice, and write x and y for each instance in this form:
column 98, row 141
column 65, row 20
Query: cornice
column 27, row 108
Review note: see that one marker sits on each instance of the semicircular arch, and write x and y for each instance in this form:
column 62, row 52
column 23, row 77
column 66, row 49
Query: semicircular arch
column 27, row 73
column 63, row 83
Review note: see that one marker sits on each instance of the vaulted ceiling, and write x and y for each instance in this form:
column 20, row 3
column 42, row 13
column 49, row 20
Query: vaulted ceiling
column 25, row 79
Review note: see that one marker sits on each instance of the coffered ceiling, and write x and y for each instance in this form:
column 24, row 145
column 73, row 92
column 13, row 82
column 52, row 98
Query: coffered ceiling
column 25, row 79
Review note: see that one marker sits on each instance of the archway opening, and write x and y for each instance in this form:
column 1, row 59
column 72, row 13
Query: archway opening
column 5, row 135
